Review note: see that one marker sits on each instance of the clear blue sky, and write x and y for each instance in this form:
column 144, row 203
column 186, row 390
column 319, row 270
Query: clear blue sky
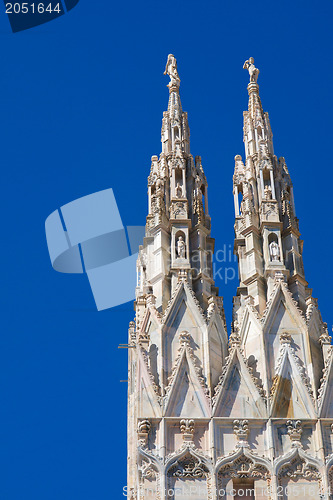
column 81, row 108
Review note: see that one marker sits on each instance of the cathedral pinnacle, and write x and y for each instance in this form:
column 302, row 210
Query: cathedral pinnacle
column 171, row 70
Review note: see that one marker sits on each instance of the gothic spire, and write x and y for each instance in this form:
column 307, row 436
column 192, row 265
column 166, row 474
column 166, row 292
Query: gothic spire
column 266, row 211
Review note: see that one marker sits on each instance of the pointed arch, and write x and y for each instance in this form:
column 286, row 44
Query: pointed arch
column 188, row 468
column 297, row 467
column 150, row 471
column 245, row 470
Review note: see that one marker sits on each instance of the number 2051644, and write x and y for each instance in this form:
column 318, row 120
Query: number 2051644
column 32, row 8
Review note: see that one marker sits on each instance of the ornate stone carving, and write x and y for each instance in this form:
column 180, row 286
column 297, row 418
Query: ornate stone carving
column 241, row 430
column 188, row 467
column 187, row 429
column 144, row 427
column 178, row 210
column 244, row 467
column 295, row 432
column 299, row 467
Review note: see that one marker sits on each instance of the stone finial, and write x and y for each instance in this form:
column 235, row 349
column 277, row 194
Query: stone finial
column 150, row 299
column 234, row 340
column 144, row 427
column 187, row 429
column 253, row 71
column 131, row 332
column 241, row 430
column 295, row 432
column 182, row 275
column 171, row 70
column 325, row 338
column 285, row 338
column 184, row 338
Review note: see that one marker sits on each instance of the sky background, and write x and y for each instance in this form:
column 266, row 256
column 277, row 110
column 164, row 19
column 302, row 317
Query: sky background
column 80, row 111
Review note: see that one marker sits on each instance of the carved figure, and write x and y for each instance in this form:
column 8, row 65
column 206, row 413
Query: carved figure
column 171, row 70
column 268, row 192
column 181, row 248
column 274, row 251
column 253, row 71
column 179, row 191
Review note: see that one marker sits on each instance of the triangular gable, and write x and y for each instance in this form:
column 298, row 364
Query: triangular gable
column 186, row 397
column 325, row 393
column 183, row 293
column 249, row 319
column 290, row 395
column 150, row 316
column 282, row 312
column 147, row 402
column 238, row 396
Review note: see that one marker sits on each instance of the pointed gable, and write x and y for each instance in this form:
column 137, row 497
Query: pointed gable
column 147, row 399
column 182, row 314
column 238, row 395
column 186, row 397
column 291, row 395
column 325, row 393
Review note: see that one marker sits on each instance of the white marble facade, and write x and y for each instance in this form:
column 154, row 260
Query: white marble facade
column 212, row 416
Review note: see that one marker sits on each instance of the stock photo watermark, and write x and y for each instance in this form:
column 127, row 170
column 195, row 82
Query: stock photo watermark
column 301, row 491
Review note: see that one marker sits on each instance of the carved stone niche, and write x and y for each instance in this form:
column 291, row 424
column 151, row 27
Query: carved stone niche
column 298, row 474
column 244, row 472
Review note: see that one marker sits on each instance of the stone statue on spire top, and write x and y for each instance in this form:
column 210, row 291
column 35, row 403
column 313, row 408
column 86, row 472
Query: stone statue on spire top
column 253, row 71
column 171, row 70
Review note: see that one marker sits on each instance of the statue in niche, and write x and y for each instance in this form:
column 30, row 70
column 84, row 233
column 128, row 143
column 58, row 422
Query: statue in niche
column 253, row 71
column 181, row 248
column 268, row 192
column 171, row 70
column 179, row 191
column 159, row 185
column 274, row 251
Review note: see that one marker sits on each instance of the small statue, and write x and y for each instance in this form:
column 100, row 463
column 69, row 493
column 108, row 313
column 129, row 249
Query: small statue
column 268, row 192
column 179, row 191
column 253, row 71
column 171, row 70
column 274, row 251
column 181, row 248
column 159, row 185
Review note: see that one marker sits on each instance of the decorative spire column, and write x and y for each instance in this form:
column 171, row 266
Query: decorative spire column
column 178, row 343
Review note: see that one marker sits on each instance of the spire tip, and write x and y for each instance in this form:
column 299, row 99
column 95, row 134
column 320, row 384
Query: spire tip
column 171, row 70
